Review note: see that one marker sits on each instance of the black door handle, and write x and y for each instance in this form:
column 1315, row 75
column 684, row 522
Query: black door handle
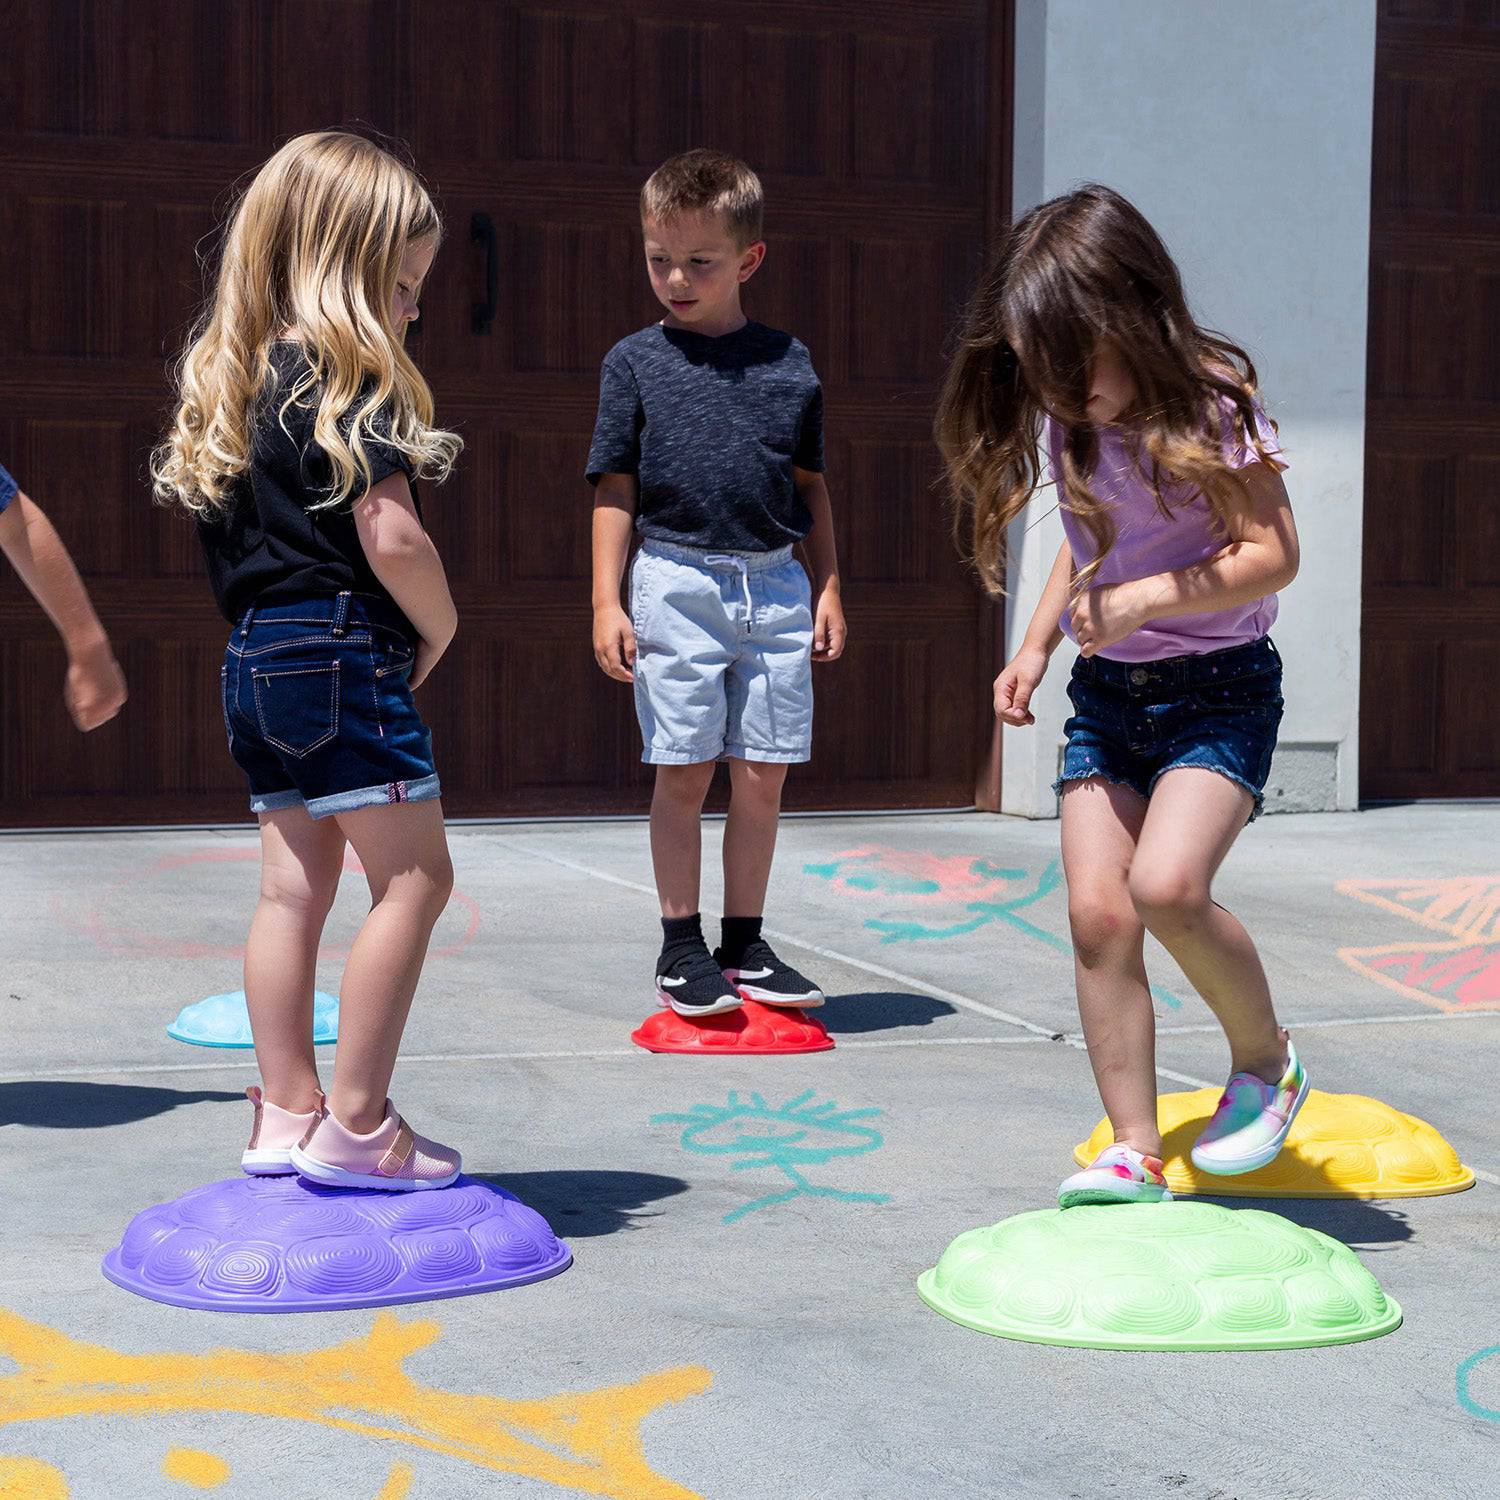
column 482, row 232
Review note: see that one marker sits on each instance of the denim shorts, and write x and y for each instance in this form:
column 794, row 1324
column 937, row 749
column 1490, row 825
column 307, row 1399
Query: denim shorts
column 723, row 661
column 1134, row 721
column 318, row 706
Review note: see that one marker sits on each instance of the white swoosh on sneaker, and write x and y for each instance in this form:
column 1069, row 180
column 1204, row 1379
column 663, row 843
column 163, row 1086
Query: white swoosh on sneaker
column 754, row 974
column 672, row 983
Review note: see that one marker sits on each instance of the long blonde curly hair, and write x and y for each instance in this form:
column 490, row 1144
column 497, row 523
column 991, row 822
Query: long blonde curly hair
column 1070, row 275
column 315, row 246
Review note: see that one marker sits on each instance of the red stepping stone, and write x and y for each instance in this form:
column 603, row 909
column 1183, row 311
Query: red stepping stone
column 751, row 1030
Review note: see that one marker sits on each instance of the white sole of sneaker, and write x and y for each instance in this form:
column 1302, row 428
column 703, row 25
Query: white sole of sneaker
column 266, row 1162
column 326, row 1175
column 1111, row 1189
column 722, row 1004
column 1268, row 1153
column 810, row 1001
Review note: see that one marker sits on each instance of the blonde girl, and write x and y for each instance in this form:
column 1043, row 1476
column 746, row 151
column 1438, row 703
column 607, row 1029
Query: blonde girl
column 300, row 426
column 1079, row 344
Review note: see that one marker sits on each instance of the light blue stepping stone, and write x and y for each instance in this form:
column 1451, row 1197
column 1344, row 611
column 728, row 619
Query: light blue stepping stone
column 224, row 1021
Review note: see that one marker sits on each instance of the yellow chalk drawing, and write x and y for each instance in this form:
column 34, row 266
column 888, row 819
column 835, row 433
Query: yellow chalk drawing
column 397, row 1486
column 204, row 1471
column 588, row 1441
column 31, row 1479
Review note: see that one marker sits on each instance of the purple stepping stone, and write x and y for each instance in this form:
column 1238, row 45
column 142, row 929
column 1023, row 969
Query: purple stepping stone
column 279, row 1244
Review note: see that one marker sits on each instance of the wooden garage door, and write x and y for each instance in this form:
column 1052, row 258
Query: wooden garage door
column 882, row 131
column 1430, row 696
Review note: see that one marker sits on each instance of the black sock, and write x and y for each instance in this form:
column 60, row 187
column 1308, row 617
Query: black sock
column 679, row 935
column 737, row 935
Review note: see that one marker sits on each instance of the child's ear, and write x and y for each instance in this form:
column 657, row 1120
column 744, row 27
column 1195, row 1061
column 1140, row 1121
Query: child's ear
column 751, row 259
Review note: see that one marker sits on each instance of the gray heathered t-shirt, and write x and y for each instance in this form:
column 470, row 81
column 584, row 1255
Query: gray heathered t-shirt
column 711, row 428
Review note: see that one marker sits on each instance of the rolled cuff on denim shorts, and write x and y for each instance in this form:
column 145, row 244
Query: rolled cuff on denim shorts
column 387, row 795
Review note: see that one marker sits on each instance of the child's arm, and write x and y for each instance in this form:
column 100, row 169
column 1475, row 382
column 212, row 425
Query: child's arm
column 614, row 517
column 1262, row 557
column 95, row 687
column 403, row 558
column 829, row 629
column 1025, row 670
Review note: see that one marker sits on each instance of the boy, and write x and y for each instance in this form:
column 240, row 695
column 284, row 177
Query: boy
column 94, row 689
column 709, row 442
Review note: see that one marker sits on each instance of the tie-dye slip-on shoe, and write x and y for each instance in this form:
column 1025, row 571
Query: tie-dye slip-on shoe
column 392, row 1157
column 272, row 1136
column 1119, row 1174
column 1251, row 1123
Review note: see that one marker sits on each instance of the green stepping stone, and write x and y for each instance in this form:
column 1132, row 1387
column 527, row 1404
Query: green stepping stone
column 1158, row 1276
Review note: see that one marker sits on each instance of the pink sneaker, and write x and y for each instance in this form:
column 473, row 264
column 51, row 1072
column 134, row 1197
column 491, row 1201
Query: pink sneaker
column 392, row 1158
column 1119, row 1174
column 272, row 1136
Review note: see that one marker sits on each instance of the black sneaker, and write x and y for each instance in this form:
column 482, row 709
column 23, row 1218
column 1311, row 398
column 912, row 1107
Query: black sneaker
column 764, row 977
column 694, row 985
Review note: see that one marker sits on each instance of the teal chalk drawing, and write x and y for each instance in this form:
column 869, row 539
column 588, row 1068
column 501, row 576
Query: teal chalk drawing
column 785, row 1138
column 1465, row 1399
column 984, row 892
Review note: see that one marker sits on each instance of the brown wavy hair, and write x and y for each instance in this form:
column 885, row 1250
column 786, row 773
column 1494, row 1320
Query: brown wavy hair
column 315, row 243
column 1069, row 276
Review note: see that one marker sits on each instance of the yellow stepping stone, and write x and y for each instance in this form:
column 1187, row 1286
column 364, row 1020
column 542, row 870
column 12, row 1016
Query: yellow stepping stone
column 1341, row 1146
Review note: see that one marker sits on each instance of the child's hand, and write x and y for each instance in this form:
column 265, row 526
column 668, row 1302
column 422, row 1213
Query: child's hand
column 614, row 643
column 94, row 689
column 829, row 629
column 1015, row 685
column 1105, row 615
column 427, row 657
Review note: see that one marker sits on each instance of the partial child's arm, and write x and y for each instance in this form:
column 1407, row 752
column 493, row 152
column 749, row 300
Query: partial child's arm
column 829, row 630
column 403, row 558
column 1261, row 558
column 95, row 687
column 614, row 518
column 1025, row 670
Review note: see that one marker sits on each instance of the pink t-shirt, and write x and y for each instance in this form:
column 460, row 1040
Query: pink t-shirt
column 1147, row 542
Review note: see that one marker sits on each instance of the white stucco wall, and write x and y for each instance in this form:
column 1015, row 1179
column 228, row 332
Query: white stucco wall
column 1243, row 133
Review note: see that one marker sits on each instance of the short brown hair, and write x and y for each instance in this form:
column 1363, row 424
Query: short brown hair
column 702, row 181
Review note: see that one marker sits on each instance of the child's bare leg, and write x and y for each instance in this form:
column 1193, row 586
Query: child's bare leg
column 301, row 860
column 677, row 835
column 1194, row 818
column 750, row 834
column 404, row 851
column 1100, row 824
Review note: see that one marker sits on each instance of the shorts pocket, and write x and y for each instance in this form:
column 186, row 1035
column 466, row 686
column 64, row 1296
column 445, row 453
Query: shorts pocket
column 398, row 662
column 298, row 709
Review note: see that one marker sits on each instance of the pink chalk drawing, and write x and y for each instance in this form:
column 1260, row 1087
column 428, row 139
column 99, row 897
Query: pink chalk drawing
column 1460, row 974
column 128, row 942
column 947, row 896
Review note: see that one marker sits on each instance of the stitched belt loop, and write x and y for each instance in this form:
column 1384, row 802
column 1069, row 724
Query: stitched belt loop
column 247, row 622
column 341, row 614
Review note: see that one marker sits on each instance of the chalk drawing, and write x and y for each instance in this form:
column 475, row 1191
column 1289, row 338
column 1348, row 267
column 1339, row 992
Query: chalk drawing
column 99, row 922
column 588, row 1441
column 785, row 1138
column 1461, row 974
column 1465, row 1397
column 975, row 892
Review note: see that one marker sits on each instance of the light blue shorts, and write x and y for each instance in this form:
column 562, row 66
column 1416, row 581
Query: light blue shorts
column 723, row 661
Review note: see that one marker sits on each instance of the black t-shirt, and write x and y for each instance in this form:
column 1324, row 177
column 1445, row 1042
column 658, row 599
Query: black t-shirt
column 270, row 545
column 711, row 428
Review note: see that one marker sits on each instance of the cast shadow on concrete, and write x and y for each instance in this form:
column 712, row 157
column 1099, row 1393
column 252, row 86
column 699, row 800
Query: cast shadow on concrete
column 1357, row 1222
column 67, row 1104
column 847, row 1015
column 580, row 1205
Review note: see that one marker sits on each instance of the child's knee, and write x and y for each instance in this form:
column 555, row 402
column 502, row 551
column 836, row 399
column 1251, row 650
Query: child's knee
column 684, row 786
column 293, row 892
column 1168, row 897
column 1102, row 922
column 759, row 781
